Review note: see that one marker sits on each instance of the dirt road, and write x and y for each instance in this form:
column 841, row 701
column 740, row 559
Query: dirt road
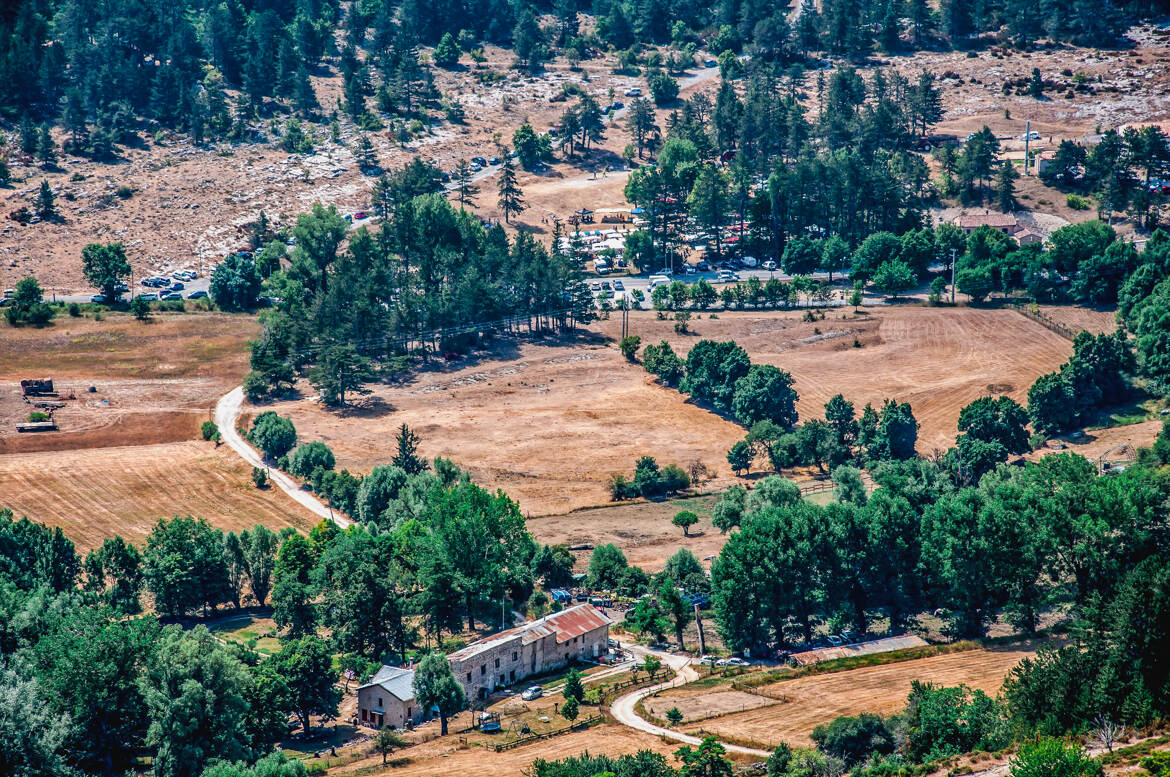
column 227, row 413
column 623, row 707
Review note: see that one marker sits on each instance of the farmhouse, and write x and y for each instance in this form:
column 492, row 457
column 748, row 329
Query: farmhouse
column 540, row 646
column 1004, row 222
column 388, row 699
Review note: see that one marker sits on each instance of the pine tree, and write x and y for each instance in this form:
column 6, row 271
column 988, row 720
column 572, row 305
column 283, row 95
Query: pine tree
column 44, row 202
column 926, row 106
column 890, row 40
column 510, row 201
column 921, row 21
column 641, row 122
column 304, row 98
column 466, row 188
column 1006, row 187
column 363, row 154
column 46, row 149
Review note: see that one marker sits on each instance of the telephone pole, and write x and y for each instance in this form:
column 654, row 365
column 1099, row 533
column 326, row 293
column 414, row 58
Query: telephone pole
column 954, row 252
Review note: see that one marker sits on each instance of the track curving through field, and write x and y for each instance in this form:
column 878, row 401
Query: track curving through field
column 227, row 413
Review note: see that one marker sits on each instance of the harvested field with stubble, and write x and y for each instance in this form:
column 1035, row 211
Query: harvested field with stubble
column 448, row 756
column 551, row 421
column 1093, row 320
column 155, row 381
column 127, row 453
column 97, row 493
column 793, row 708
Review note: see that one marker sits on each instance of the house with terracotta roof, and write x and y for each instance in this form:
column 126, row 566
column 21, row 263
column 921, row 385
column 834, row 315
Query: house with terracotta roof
column 1004, row 222
column 388, row 699
column 573, row 634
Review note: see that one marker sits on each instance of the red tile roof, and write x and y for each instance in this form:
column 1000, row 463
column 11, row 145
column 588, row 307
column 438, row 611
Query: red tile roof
column 567, row 624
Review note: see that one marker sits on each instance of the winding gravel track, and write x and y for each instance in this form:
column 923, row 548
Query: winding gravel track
column 227, row 414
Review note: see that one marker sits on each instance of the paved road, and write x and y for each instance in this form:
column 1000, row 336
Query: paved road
column 227, row 414
column 623, row 707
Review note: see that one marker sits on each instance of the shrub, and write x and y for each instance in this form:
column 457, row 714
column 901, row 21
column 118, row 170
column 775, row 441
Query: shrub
column 306, row 459
column 37, row 416
column 629, row 346
column 1076, row 202
column 272, row 434
column 208, row 430
column 259, row 477
column 674, row 715
column 74, row 310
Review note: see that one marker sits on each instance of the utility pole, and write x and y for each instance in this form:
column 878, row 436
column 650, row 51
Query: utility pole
column 954, row 252
column 699, row 623
column 1027, row 142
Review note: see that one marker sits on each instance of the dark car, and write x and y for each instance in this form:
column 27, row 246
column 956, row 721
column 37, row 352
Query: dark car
column 177, row 286
column 702, row 266
column 197, row 294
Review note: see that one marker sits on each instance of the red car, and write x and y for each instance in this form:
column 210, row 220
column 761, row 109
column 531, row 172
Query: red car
column 361, row 214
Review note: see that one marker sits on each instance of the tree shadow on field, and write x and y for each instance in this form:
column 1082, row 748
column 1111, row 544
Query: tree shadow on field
column 365, row 407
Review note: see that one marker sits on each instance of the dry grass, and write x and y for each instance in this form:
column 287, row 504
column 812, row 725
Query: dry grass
column 155, row 382
column 797, row 706
column 448, row 756
column 550, row 422
column 94, row 494
column 643, row 531
column 1076, row 318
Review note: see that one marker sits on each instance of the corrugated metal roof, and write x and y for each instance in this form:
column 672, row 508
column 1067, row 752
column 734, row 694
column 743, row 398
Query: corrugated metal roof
column 394, row 680
column 566, row 624
column 883, row 645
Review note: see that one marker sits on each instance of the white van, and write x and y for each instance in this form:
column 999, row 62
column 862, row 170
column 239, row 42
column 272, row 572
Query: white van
column 601, row 266
column 659, row 280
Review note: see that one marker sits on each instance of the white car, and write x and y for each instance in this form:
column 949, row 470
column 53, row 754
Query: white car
column 707, row 660
column 738, row 662
column 769, row 265
column 1031, row 136
column 633, row 92
column 535, row 692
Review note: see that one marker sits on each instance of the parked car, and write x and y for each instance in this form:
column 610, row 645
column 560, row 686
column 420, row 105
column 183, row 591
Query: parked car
column 177, row 286
column 702, row 266
column 98, row 298
column 738, row 662
column 707, row 660
column 769, row 265
column 723, row 662
column 595, row 286
column 605, row 285
column 834, row 640
column 197, row 294
column 151, row 297
column 171, row 295
column 493, row 161
column 361, row 214
column 633, row 92
column 535, row 692
column 475, row 167
column 689, row 269
column 619, row 286
column 710, row 63
column 478, row 160
column 1033, row 135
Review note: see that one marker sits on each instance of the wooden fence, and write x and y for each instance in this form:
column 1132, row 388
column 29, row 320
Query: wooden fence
column 575, row 726
column 1044, row 321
